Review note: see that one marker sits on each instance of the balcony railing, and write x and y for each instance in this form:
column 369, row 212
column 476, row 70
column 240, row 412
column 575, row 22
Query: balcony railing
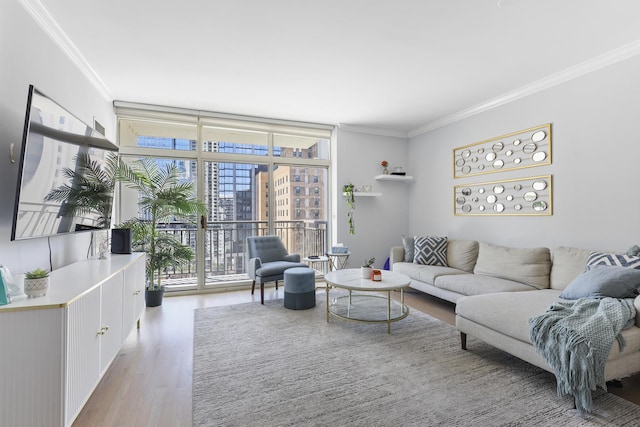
column 225, row 247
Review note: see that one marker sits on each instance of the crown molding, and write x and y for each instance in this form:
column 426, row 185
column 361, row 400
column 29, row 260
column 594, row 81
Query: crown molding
column 372, row 131
column 51, row 28
column 609, row 58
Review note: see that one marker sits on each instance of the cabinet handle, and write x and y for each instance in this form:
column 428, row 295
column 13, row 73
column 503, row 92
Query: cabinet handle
column 100, row 332
column 136, row 292
column 106, row 328
column 103, row 330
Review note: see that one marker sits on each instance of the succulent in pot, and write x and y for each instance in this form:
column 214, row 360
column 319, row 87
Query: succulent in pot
column 367, row 268
column 36, row 283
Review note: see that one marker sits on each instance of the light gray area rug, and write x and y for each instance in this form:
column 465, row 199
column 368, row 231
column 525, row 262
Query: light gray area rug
column 264, row 365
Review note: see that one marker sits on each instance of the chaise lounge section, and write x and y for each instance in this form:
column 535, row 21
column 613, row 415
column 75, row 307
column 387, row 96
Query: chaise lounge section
column 502, row 319
column 497, row 289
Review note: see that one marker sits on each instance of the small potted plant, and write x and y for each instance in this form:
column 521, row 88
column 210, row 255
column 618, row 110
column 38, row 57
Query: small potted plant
column 348, row 191
column 36, row 283
column 367, row 268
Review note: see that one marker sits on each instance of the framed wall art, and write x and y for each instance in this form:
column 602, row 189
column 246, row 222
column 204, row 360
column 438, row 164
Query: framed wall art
column 522, row 149
column 520, row 196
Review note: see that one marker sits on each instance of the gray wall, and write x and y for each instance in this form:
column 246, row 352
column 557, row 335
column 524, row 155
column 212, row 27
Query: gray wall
column 28, row 56
column 379, row 221
column 596, row 151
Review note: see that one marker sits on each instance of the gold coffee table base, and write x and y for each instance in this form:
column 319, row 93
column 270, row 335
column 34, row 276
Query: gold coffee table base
column 367, row 308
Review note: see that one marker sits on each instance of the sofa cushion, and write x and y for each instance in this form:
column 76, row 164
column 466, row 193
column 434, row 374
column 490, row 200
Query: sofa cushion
column 604, row 281
column 568, row 263
column 430, row 250
column 424, row 273
column 409, row 248
column 507, row 312
column 622, row 260
column 478, row 284
column 530, row 266
column 462, row 254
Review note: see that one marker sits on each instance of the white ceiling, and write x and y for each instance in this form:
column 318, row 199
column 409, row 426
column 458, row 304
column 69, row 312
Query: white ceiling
column 397, row 65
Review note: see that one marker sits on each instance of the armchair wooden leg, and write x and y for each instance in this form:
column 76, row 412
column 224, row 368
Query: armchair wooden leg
column 276, row 285
column 463, row 340
column 253, row 287
column 261, row 293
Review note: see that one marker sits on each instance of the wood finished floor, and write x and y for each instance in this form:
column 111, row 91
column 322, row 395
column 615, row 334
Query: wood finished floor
column 149, row 382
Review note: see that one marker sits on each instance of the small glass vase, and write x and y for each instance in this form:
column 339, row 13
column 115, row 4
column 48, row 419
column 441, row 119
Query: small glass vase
column 385, row 171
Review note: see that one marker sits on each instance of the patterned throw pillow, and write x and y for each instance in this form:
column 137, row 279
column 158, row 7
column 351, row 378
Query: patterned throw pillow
column 430, row 250
column 620, row 260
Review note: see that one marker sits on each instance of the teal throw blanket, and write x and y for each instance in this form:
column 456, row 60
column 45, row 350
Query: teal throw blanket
column 575, row 338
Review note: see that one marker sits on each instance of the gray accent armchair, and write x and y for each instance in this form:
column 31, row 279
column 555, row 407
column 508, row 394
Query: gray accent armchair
column 267, row 260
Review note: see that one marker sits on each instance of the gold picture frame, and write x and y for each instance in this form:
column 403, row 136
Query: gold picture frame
column 519, row 196
column 523, row 149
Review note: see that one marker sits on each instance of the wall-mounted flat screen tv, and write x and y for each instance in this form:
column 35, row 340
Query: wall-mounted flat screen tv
column 66, row 176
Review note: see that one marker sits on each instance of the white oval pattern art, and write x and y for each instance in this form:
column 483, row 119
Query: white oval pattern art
column 522, row 196
column 526, row 148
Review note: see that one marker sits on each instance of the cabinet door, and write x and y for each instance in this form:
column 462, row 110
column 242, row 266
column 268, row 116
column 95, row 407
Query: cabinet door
column 111, row 320
column 134, row 281
column 31, row 362
column 83, row 350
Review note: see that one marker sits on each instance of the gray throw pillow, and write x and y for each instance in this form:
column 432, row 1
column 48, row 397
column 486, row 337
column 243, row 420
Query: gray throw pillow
column 409, row 248
column 604, row 281
column 430, row 250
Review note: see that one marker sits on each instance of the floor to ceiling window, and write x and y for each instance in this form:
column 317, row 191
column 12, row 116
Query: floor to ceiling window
column 256, row 178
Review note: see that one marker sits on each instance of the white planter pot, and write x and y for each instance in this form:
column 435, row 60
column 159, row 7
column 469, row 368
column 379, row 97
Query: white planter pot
column 36, row 287
column 366, row 272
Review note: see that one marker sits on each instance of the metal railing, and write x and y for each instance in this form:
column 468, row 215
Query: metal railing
column 225, row 246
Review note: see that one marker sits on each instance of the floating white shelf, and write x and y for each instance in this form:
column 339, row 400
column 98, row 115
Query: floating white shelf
column 363, row 194
column 394, row 178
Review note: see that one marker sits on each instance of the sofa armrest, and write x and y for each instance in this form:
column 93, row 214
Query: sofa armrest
column 636, row 303
column 396, row 255
column 252, row 266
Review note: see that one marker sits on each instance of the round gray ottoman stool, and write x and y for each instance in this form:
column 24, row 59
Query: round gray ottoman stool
column 299, row 288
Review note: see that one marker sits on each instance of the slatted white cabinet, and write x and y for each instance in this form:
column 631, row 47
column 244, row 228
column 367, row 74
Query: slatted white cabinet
column 83, row 351
column 111, row 315
column 54, row 349
column 133, row 300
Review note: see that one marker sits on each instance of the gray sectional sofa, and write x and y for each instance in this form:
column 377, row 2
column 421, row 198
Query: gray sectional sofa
column 497, row 289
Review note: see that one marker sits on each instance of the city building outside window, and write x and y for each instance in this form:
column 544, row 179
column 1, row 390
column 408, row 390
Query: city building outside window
column 245, row 178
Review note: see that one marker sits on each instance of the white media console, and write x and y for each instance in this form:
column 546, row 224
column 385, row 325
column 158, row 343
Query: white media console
column 55, row 349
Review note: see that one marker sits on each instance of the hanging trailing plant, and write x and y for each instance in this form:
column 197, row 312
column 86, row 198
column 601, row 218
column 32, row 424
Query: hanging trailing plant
column 348, row 190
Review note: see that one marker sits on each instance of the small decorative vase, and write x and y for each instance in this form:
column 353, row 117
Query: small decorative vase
column 385, row 171
column 36, row 287
column 366, row 272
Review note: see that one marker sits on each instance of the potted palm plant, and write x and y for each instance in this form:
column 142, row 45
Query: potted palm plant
column 162, row 197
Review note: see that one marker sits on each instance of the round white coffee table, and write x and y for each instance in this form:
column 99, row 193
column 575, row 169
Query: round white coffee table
column 367, row 301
